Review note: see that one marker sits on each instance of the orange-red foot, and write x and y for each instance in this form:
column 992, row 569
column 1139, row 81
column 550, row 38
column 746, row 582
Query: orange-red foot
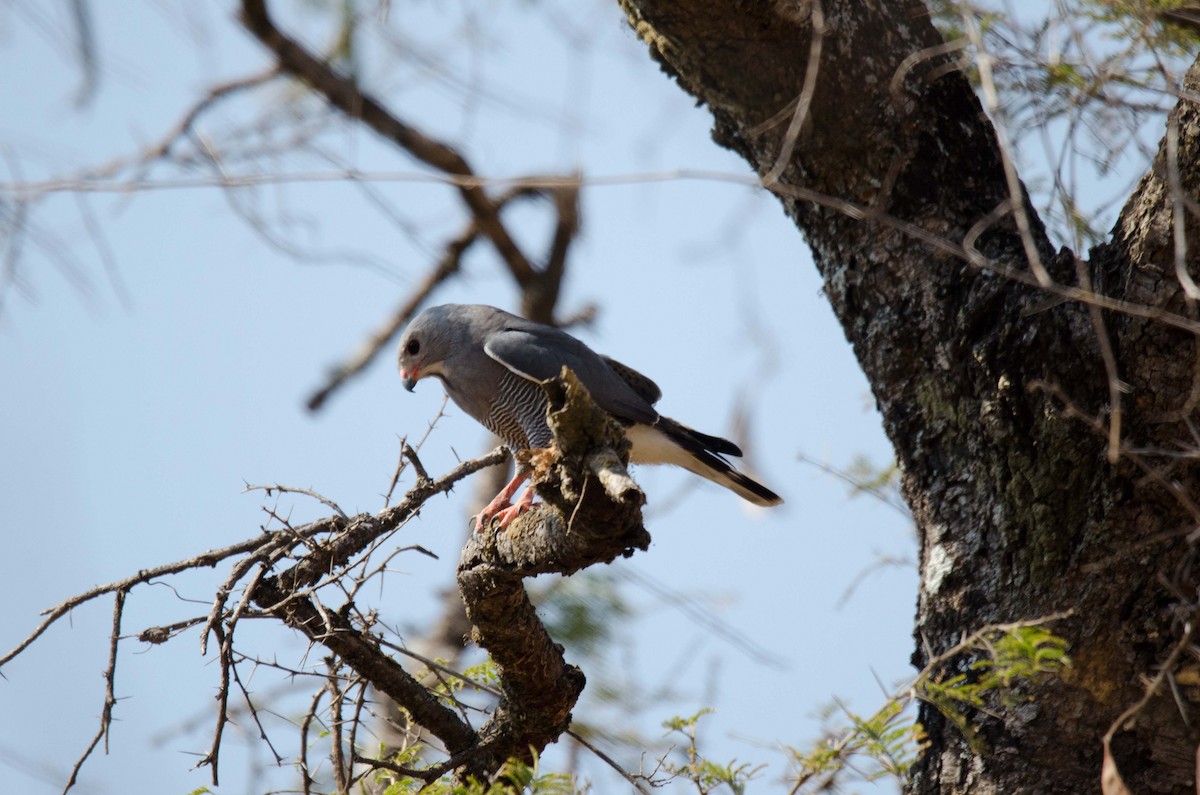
column 499, row 509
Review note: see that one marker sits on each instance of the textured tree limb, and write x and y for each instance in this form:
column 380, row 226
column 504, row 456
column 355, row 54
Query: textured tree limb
column 577, row 527
column 891, row 170
column 286, row 596
column 361, row 652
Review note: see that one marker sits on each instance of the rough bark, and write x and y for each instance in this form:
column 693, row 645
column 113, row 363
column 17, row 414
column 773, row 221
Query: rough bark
column 592, row 515
column 994, row 398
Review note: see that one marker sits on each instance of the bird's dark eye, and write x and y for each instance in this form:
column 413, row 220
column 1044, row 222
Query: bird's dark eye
column 412, row 348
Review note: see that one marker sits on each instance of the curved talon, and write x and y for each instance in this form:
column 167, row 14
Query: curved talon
column 509, row 514
column 500, row 510
column 501, row 519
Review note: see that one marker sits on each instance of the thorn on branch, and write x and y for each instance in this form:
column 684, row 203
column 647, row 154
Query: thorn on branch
column 411, row 455
column 328, row 503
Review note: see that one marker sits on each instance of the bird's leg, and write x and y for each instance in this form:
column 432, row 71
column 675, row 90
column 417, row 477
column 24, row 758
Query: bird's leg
column 499, row 507
column 506, row 516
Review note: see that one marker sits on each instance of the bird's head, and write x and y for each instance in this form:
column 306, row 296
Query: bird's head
column 428, row 342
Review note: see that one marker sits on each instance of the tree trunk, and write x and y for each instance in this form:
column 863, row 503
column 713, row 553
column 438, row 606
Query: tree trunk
column 996, row 397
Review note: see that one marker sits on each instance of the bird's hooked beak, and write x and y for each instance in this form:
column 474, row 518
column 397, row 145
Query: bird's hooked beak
column 410, row 378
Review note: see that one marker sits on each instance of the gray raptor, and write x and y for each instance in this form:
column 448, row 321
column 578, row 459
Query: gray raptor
column 492, row 365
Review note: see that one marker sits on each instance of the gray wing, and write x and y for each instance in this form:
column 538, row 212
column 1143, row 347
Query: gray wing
column 647, row 390
column 539, row 353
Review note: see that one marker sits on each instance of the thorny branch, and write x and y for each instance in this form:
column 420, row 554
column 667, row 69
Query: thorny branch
column 203, row 560
column 110, row 699
column 289, row 596
column 537, row 687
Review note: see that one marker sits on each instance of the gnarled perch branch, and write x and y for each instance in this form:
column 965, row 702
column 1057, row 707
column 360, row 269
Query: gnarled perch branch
column 592, row 515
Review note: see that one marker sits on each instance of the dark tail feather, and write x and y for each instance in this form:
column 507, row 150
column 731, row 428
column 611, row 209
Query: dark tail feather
column 749, row 488
column 703, row 457
column 695, row 442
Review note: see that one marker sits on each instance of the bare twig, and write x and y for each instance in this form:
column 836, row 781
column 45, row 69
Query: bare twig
column 203, row 560
column 330, row 504
column 912, row 60
column 225, row 659
column 1172, row 487
column 411, row 455
column 857, row 483
column 305, row 774
column 110, row 699
column 85, row 40
column 1152, row 689
column 104, row 250
column 345, row 95
column 608, row 760
column 540, row 296
column 337, row 740
column 800, row 113
column 216, row 613
column 187, row 124
column 446, row 267
column 1178, row 217
column 1115, row 387
column 1016, row 192
column 360, row 703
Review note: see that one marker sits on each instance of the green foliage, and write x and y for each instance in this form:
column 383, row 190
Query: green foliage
column 879, row 746
column 582, row 611
column 1130, row 17
column 890, row 740
column 484, row 674
column 1015, row 657
column 1008, row 661
column 1096, row 73
column 515, row 778
column 1024, row 653
column 871, row 478
column 704, row 773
